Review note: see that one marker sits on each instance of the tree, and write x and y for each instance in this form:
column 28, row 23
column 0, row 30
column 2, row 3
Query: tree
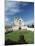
column 22, row 40
column 32, row 25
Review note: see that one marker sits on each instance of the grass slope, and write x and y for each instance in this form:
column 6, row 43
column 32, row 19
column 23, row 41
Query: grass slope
column 28, row 35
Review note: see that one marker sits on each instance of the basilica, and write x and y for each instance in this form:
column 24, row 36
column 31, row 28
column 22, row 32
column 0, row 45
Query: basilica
column 18, row 23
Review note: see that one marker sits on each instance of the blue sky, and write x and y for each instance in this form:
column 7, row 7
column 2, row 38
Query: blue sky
column 25, row 10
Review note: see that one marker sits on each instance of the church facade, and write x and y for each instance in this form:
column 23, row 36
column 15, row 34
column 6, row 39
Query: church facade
column 18, row 23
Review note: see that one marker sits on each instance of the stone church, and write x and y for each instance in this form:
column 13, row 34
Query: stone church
column 18, row 23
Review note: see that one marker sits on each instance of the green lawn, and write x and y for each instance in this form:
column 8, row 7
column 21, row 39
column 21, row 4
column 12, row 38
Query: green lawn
column 28, row 35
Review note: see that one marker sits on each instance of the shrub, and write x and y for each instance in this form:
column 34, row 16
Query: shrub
column 22, row 40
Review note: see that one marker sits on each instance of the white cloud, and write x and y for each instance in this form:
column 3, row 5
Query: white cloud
column 7, row 21
column 11, row 6
column 25, row 4
column 14, row 10
column 29, row 22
